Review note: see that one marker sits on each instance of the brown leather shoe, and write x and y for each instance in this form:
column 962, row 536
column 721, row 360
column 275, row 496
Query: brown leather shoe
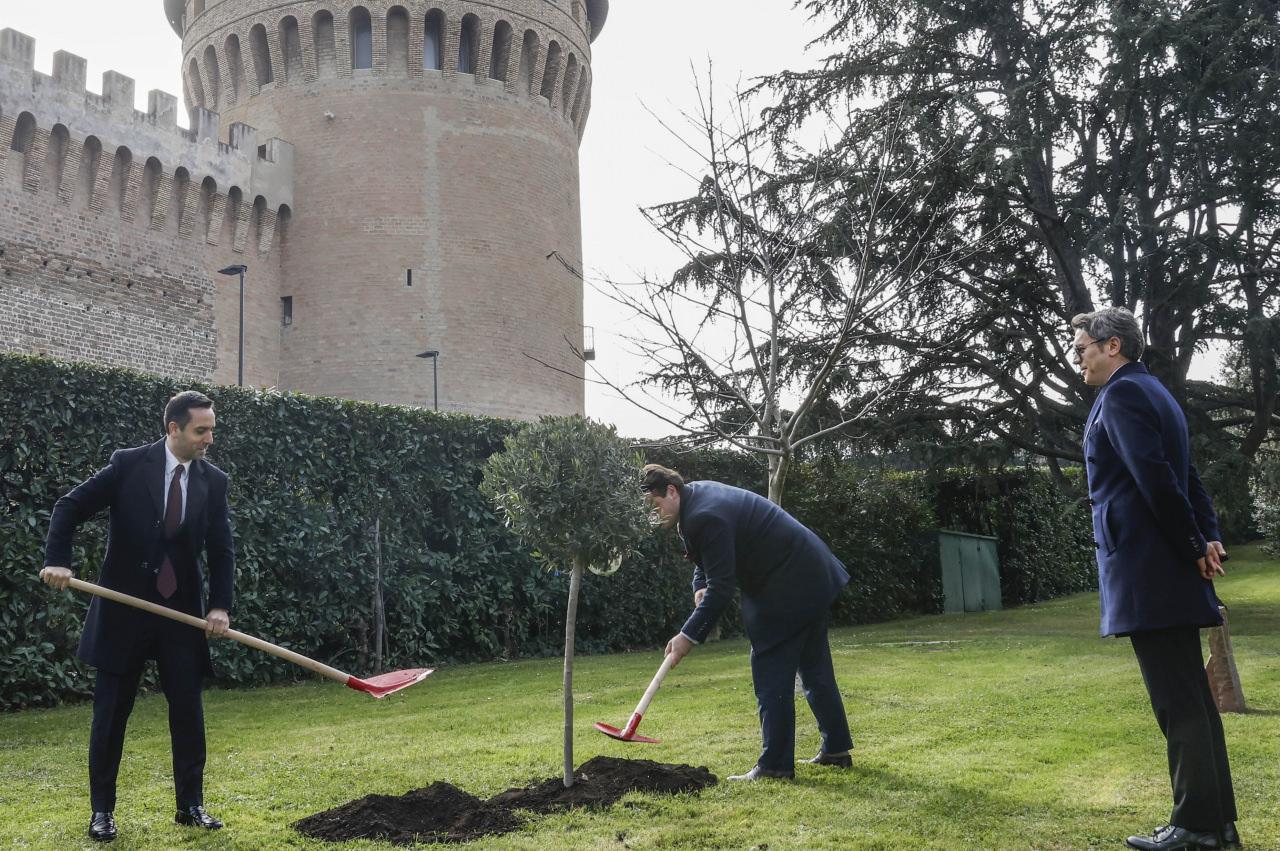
column 196, row 817
column 758, row 773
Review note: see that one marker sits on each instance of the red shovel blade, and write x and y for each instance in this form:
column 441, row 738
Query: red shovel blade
column 384, row 684
column 621, row 735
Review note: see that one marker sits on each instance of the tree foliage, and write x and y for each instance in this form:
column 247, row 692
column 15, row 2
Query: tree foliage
column 1130, row 147
column 569, row 489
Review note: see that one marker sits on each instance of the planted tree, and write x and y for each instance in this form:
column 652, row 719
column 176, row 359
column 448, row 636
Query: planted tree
column 568, row 488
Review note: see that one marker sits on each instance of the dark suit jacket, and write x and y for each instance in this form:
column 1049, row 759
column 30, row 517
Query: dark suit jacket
column 131, row 486
column 1151, row 515
column 738, row 539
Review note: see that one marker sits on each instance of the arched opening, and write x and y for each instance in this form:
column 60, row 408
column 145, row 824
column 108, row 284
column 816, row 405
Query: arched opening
column 56, row 157
column 433, row 41
column 552, row 73
column 196, row 84
column 283, row 215
column 178, row 203
column 528, row 61
column 468, row 44
column 584, row 86
column 500, row 55
column 214, row 76
column 255, row 231
column 326, row 51
column 570, row 80
column 361, row 28
column 150, row 191
column 23, row 131
column 261, row 55
column 398, row 40
column 204, row 215
column 90, row 162
column 291, row 44
column 119, row 187
column 235, row 199
column 235, row 67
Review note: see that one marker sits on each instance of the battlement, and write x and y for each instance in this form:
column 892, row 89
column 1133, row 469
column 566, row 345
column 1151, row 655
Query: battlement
column 233, row 52
column 38, row 110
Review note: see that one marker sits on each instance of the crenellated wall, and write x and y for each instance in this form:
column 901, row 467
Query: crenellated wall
column 531, row 48
column 431, row 170
column 114, row 222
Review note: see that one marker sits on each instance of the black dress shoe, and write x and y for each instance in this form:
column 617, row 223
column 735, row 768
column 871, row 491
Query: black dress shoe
column 1170, row 838
column 840, row 760
column 197, row 817
column 758, row 773
column 1230, row 838
column 102, row 827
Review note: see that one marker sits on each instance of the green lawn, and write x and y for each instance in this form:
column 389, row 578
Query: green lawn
column 1017, row 730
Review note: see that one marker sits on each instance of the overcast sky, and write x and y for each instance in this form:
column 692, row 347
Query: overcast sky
column 646, row 56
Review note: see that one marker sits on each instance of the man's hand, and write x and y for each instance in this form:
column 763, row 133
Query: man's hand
column 56, row 577
column 697, row 597
column 679, row 646
column 219, row 621
column 1210, row 564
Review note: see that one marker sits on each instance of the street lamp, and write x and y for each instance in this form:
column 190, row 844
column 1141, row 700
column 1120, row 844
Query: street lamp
column 239, row 269
column 435, row 386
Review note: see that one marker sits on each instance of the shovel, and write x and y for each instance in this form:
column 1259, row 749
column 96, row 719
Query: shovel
column 628, row 733
column 379, row 686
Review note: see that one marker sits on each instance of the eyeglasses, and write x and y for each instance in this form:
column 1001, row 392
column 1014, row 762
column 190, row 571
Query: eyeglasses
column 1081, row 349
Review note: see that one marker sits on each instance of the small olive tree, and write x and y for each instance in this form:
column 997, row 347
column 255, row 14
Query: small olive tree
column 569, row 488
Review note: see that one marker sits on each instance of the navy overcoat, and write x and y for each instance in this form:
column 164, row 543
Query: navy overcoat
column 1151, row 514
column 131, row 486
column 739, row 539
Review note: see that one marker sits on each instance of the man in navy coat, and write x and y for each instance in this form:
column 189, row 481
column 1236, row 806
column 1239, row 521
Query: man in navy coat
column 1158, row 550
column 167, row 506
column 788, row 577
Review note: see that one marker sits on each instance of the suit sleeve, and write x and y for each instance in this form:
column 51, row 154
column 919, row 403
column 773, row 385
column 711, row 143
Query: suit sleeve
column 1132, row 426
column 1206, row 517
column 221, row 550
column 718, row 567
column 83, row 502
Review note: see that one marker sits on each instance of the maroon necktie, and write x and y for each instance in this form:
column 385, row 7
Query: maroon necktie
column 166, row 579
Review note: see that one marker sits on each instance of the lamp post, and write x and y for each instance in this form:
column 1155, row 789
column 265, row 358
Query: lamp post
column 435, row 387
column 239, row 269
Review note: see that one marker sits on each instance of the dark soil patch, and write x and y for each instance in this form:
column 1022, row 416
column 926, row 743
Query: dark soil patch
column 442, row 812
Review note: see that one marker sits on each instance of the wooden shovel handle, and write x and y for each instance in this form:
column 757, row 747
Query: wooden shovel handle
column 201, row 624
column 653, row 686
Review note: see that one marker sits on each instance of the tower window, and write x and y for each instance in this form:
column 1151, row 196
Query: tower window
column 286, row 310
column 408, row 277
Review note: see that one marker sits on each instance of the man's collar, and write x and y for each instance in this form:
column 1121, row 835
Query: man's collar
column 171, row 460
column 1128, row 368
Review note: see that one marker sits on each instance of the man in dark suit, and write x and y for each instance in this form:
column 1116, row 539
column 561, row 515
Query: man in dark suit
column 788, row 579
column 1158, row 551
column 167, row 506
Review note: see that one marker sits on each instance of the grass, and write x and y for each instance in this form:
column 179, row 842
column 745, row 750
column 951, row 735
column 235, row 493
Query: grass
column 1006, row 730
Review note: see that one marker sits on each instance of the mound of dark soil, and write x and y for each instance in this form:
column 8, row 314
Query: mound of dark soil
column 442, row 812
column 601, row 781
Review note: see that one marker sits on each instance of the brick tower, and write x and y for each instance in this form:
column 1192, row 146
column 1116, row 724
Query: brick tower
column 435, row 169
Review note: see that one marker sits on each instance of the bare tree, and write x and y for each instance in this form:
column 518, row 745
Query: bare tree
column 799, row 269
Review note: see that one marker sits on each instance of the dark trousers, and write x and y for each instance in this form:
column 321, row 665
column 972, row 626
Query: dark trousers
column 181, row 668
column 773, row 672
column 1173, row 668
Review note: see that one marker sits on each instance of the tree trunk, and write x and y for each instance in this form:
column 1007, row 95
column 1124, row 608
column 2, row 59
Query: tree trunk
column 779, row 466
column 570, row 624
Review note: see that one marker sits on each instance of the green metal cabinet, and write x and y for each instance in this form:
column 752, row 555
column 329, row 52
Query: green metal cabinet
column 970, row 572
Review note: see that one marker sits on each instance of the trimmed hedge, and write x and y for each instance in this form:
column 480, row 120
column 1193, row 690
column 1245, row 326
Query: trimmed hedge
column 311, row 476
